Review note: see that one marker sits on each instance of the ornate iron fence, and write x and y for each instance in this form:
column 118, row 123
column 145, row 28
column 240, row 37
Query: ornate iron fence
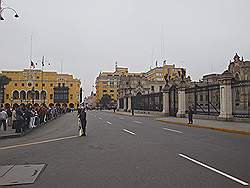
column 241, row 99
column 204, row 99
column 149, row 102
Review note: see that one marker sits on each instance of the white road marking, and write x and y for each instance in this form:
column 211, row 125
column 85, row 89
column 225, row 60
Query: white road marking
column 100, row 118
column 35, row 143
column 137, row 122
column 215, row 170
column 129, row 131
column 109, row 123
column 172, row 130
column 121, row 118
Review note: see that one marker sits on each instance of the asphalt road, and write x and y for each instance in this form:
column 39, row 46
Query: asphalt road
column 122, row 151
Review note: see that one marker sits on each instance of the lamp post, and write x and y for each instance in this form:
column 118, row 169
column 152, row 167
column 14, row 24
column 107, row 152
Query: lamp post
column 6, row 8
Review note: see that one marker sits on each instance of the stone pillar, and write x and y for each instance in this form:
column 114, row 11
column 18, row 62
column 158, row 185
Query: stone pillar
column 165, row 100
column 226, row 106
column 181, row 100
column 129, row 104
column 125, row 104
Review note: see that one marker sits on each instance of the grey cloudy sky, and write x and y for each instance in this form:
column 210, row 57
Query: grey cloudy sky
column 90, row 35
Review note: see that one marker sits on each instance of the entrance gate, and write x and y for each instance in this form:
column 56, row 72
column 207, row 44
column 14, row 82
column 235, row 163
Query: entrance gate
column 173, row 101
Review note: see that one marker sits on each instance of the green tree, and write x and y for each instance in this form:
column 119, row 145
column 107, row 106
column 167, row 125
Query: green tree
column 4, row 80
column 105, row 101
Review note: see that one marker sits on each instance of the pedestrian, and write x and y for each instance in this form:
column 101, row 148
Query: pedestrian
column 19, row 118
column 9, row 118
column 14, row 117
column 3, row 118
column 82, row 116
column 190, row 115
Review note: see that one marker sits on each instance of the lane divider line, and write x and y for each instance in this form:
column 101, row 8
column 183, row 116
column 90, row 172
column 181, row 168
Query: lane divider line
column 172, row 130
column 215, row 170
column 109, row 123
column 100, row 118
column 40, row 142
column 130, row 132
column 137, row 122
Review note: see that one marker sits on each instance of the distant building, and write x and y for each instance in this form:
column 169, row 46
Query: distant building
column 158, row 73
column 36, row 86
column 108, row 82
column 90, row 101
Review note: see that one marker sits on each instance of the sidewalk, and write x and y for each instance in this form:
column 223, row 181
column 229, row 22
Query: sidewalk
column 225, row 126
column 130, row 113
column 9, row 133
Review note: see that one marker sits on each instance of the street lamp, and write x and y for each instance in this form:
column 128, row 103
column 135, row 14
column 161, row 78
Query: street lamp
column 6, row 8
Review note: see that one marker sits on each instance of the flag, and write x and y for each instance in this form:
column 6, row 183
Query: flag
column 32, row 64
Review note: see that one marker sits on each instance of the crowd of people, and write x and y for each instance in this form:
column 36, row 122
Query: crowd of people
column 23, row 117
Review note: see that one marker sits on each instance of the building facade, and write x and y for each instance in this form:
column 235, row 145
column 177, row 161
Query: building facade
column 107, row 83
column 36, row 87
column 158, row 73
column 90, row 101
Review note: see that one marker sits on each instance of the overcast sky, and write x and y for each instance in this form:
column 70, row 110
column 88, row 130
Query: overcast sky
column 89, row 36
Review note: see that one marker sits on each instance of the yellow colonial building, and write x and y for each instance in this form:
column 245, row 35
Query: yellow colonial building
column 108, row 83
column 36, row 87
column 158, row 73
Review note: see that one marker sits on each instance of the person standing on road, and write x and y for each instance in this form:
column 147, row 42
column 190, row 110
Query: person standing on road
column 3, row 118
column 190, row 115
column 82, row 115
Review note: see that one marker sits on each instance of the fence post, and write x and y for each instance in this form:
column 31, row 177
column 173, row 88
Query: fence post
column 226, row 106
column 181, row 100
column 165, row 99
column 129, row 103
column 124, row 104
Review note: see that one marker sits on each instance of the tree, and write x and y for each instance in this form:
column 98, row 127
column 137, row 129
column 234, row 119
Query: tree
column 105, row 101
column 4, row 80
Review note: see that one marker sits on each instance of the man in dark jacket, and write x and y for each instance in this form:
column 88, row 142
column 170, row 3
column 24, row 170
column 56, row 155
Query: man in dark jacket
column 190, row 115
column 82, row 115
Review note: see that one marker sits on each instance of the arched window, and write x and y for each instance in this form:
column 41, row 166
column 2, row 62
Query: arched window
column 43, row 94
column 23, row 95
column 29, row 95
column 15, row 95
column 37, row 95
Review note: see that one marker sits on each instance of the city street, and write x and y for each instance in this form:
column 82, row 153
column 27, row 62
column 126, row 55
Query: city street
column 130, row 152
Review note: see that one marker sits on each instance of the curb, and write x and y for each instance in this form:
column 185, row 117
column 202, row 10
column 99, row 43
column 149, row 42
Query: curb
column 207, row 127
column 142, row 115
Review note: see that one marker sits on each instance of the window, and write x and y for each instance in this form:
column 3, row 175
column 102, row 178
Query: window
column 36, row 85
column 37, row 77
column 59, row 84
column 51, row 85
column 7, row 96
column 104, row 91
column 111, row 91
column 64, row 84
column 71, row 85
column 152, row 88
column 15, row 95
column 71, row 96
column 160, row 88
column 29, row 84
column 43, row 85
column 22, row 84
column 15, row 84
column 201, row 97
column 51, row 96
